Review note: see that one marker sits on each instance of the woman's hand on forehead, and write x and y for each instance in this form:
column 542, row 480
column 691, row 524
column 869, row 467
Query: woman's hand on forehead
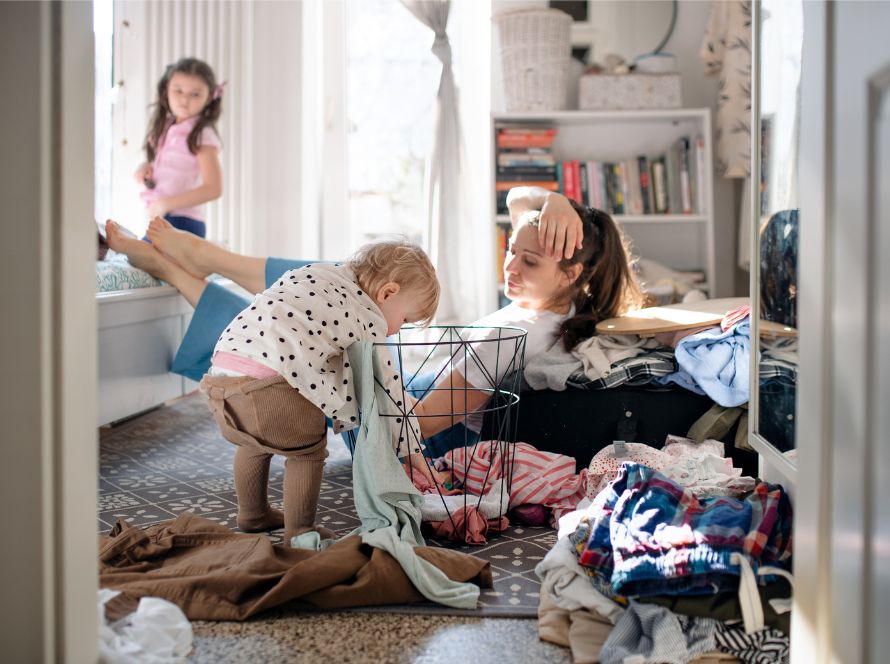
column 559, row 230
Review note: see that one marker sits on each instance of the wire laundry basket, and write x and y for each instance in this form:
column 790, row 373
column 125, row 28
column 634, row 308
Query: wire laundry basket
column 492, row 358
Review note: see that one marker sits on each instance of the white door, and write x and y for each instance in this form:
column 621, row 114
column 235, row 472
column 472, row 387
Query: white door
column 843, row 528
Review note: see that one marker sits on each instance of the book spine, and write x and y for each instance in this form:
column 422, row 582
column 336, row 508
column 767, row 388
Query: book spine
column 608, row 188
column 502, row 240
column 521, row 137
column 593, row 184
column 659, row 183
column 507, row 160
column 550, row 185
column 672, row 173
column 524, row 172
column 583, row 181
column 605, row 203
column 618, row 202
column 685, row 182
column 569, row 174
column 700, row 174
column 633, row 183
column 576, row 181
column 645, row 189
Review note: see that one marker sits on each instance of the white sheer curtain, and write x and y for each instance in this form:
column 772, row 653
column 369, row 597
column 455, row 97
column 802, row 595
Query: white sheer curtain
column 450, row 222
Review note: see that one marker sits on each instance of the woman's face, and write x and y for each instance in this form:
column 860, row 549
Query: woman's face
column 531, row 278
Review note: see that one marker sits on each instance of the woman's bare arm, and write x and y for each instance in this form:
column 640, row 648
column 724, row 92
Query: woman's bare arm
column 559, row 231
column 447, row 403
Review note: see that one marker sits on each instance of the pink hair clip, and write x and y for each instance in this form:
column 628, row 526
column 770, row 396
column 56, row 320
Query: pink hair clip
column 218, row 93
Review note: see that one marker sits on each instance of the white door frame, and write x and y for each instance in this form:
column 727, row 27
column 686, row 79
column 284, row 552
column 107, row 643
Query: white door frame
column 842, row 518
column 49, row 454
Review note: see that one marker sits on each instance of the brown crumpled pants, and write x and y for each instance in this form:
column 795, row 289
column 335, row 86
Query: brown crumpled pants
column 212, row 573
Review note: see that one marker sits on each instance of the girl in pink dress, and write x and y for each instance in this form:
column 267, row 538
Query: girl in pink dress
column 182, row 169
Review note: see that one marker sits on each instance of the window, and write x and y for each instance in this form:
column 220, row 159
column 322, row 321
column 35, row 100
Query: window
column 368, row 139
column 391, row 84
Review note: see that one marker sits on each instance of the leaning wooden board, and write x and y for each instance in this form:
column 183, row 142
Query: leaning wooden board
column 674, row 317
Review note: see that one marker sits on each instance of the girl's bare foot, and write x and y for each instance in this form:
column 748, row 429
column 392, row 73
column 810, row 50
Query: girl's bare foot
column 181, row 247
column 139, row 253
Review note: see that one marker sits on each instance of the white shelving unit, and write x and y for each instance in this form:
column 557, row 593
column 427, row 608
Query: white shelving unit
column 680, row 241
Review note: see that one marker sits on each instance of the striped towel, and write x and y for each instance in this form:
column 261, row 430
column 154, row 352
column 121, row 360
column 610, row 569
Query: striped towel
column 735, row 316
column 539, row 478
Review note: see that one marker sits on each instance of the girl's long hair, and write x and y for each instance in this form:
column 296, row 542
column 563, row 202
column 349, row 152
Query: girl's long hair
column 607, row 286
column 162, row 117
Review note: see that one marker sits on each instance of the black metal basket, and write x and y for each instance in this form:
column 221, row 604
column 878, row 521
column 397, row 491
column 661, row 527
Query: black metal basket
column 492, row 357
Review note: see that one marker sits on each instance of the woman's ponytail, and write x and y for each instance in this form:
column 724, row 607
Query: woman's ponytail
column 606, row 286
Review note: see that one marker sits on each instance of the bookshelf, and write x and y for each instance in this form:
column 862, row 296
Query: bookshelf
column 681, row 238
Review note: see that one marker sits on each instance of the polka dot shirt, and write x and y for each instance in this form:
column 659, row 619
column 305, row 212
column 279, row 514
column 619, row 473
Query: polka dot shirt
column 301, row 327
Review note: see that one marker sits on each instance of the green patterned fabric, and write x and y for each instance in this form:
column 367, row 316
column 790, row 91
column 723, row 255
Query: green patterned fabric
column 116, row 273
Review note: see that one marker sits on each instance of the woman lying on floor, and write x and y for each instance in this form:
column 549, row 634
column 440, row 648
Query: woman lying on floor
column 567, row 268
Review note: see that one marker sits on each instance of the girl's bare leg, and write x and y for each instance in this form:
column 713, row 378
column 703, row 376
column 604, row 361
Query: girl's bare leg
column 200, row 257
column 145, row 256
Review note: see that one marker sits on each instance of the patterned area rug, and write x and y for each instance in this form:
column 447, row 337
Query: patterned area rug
column 174, row 459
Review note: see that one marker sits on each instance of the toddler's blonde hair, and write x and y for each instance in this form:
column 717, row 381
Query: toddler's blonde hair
column 401, row 262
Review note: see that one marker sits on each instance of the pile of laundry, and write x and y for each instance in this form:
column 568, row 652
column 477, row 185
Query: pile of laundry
column 543, row 486
column 651, row 571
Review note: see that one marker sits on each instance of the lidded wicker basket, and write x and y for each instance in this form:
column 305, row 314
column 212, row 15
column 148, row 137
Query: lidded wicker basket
column 535, row 49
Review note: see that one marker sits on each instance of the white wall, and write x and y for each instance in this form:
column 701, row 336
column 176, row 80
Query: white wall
column 276, row 169
column 698, row 91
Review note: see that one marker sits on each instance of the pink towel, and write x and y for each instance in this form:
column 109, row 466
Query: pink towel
column 469, row 525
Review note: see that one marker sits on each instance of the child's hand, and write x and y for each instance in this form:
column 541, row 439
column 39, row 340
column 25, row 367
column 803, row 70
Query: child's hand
column 420, row 464
column 144, row 174
column 442, row 479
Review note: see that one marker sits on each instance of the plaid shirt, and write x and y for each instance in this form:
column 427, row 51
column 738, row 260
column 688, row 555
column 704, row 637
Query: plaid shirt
column 639, row 370
column 654, row 537
column 772, row 368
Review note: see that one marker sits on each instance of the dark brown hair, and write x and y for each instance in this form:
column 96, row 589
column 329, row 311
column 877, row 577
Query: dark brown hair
column 607, row 286
column 163, row 116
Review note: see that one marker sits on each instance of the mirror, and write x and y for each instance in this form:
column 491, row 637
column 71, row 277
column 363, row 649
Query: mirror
column 778, row 46
column 628, row 29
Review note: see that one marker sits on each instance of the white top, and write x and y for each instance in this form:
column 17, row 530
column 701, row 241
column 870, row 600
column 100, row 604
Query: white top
column 489, row 362
column 301, row 327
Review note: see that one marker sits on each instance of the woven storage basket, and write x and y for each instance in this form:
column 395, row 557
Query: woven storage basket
column 536, row 48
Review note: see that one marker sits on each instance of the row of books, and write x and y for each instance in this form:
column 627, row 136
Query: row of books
column 669, row 183
column 524, row 158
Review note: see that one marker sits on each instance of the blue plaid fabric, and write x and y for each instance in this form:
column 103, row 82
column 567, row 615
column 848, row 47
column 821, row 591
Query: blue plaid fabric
column 654, row 537
column 772, row 367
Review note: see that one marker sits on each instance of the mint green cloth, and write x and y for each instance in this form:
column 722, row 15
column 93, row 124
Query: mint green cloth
column 387, row 502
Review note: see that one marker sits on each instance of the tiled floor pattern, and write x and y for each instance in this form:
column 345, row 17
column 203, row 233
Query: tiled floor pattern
column 173, row 460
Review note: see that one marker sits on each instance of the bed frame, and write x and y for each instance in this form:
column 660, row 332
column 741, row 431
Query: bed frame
column 139, row 333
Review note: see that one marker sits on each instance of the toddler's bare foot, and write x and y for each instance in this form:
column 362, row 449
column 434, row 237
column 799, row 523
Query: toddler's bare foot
column 185, row 249
column 139, row 253
column 271, row 520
